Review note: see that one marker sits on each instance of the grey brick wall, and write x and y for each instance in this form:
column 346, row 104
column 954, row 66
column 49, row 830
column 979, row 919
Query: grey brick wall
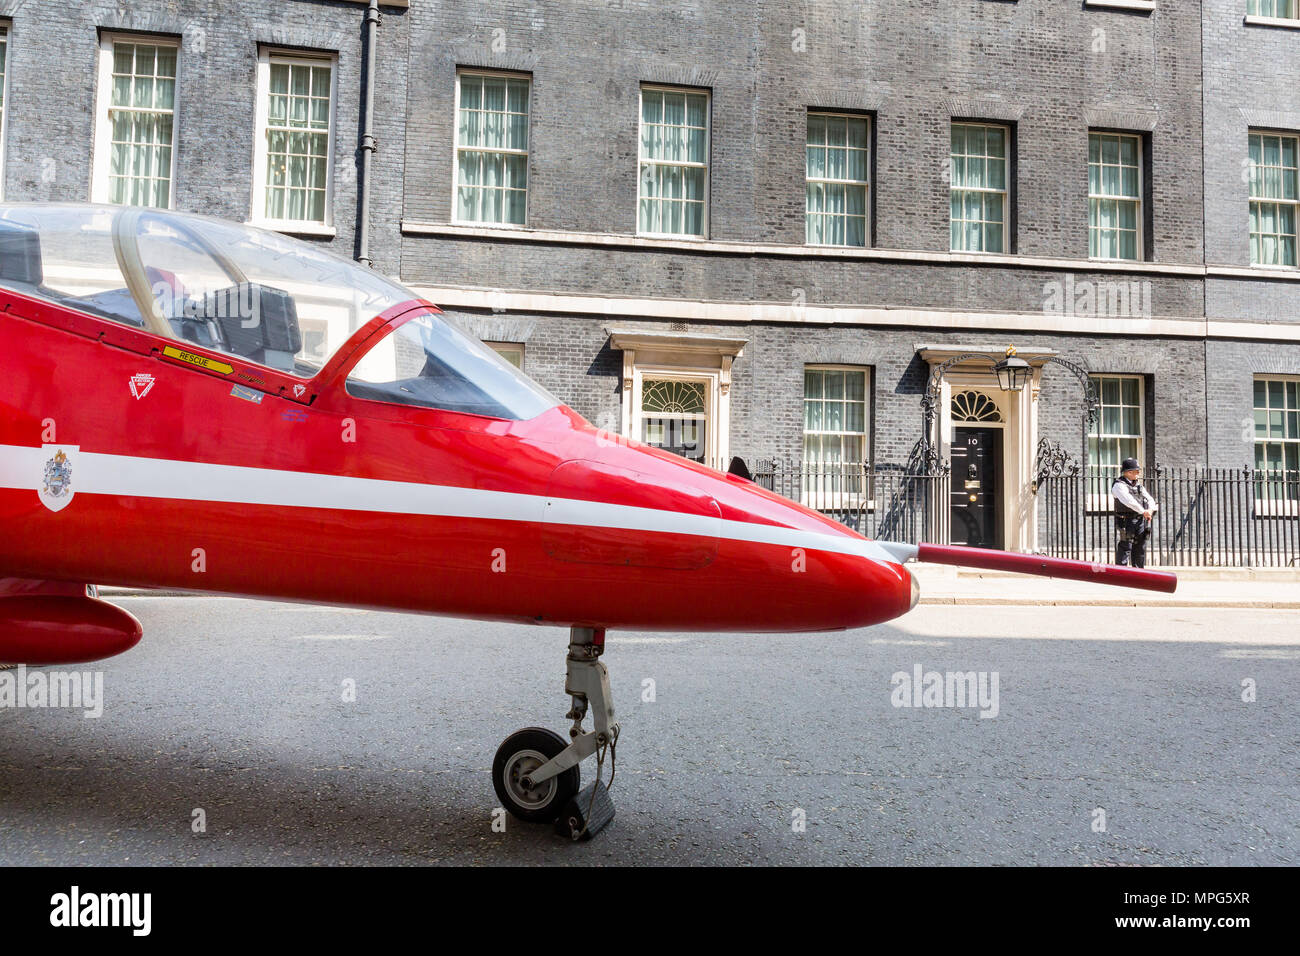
column 1049, row 70
column 1252, row 81
column 50, row 100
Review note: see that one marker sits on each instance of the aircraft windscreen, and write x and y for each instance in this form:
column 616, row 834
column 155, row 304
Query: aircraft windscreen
column 256, row 294
column 430, row 363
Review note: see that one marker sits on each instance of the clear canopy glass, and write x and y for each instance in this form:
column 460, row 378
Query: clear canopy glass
column 249, row 292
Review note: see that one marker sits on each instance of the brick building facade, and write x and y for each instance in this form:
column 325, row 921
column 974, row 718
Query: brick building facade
column 755, row 228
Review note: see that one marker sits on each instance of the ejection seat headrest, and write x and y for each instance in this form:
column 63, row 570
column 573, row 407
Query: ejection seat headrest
column 20, row 254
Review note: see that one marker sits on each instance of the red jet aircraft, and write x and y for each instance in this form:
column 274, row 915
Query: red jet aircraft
column 174, row 413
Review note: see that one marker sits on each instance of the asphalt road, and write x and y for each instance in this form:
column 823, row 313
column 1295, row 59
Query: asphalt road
column 236, row 708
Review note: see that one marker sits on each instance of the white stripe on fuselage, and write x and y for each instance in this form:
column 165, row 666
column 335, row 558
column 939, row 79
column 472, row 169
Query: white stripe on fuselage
column 22, row 467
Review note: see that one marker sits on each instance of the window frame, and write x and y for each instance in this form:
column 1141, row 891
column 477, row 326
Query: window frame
column 1097, row 379
column 838, row 491
column 706, row 165
column 869, row 195
column 1139, row 218
column 1286, row 504
column 102, row 141
column 266, row 57
column 1252, row 199
column 508, row 348
column 1005, row 191
column 1255, row 14
column 866, row 372
column 6, row 38
column 456, row 148
column 1097, row 484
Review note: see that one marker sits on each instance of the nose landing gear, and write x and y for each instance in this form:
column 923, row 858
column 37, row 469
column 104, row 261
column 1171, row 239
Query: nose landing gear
column 536, row 775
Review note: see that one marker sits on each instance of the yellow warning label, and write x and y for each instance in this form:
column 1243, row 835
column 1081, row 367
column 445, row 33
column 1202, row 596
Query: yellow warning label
column 202, row 361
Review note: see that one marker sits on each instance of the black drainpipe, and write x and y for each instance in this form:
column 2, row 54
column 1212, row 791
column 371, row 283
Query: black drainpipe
column 368, row 144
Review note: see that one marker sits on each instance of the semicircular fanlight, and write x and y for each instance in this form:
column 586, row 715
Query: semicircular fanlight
column 672, row 397
column 972, row 406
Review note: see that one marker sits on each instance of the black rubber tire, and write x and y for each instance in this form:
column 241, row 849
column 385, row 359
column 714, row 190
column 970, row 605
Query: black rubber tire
column 560, row 788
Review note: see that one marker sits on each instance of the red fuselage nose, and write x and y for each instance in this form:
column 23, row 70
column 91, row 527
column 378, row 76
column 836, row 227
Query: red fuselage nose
column 664, row 542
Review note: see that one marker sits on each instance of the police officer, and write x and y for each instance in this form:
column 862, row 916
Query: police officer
column 1134, row 509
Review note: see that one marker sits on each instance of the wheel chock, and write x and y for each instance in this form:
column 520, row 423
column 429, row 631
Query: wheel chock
column 586, row 814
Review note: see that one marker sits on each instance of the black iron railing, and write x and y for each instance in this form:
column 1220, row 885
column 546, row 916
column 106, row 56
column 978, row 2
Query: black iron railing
column 1214, row 517
column 889, row 502
column 1222, row 517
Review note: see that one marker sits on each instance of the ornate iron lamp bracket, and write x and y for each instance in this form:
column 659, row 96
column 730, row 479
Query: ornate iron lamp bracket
column 1089, row 389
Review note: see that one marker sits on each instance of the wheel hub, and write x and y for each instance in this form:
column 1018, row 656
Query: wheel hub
column 517, row 769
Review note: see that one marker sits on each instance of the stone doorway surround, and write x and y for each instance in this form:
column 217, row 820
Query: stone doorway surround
column 679, row 355
column 1019, row 413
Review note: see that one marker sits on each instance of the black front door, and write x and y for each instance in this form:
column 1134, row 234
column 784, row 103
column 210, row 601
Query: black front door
column 976, row 461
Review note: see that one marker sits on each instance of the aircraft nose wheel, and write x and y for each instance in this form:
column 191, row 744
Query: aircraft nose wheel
column 535, row 771
column 520, row 755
